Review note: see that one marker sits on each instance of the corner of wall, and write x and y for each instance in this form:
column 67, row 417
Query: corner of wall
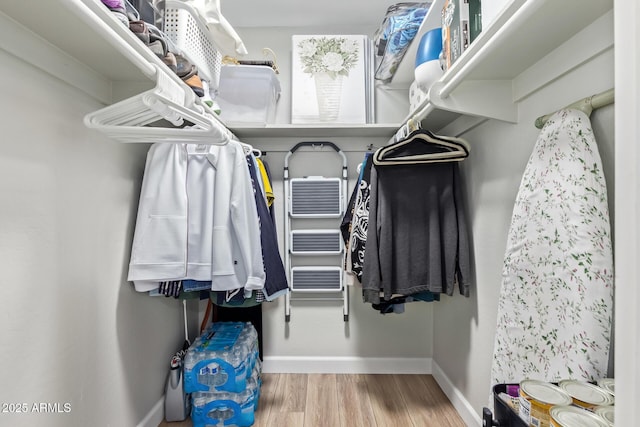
column 462, row 405
column 155, row 416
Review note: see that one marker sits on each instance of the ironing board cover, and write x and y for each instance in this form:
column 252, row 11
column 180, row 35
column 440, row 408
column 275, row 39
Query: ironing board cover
column 555, row 304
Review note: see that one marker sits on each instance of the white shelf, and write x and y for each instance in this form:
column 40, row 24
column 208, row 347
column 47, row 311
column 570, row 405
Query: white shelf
column 317, row 130
column 82, row 43
column 79, row 41
column 519, row 37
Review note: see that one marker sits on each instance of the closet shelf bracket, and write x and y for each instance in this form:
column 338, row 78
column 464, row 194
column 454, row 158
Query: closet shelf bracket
column 481, row 98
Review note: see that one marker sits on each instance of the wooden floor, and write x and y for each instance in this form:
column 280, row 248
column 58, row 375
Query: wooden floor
column 336, row 400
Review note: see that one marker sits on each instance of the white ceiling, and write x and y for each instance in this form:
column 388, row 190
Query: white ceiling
column 299, row 13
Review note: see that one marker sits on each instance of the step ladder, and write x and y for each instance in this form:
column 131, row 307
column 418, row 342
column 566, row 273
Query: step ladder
column 309, row 198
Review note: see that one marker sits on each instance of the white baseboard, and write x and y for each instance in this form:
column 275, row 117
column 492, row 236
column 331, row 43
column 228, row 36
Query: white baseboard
column 155, row 415
column 462, row 405
column 345, row 365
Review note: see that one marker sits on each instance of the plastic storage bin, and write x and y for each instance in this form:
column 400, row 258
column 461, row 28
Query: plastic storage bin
column 504, row 415
column 222, row 358
column 248, row 95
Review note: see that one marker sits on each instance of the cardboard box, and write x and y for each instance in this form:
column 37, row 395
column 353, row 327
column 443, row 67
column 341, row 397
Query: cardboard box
column 475, row 19
column 455, row 30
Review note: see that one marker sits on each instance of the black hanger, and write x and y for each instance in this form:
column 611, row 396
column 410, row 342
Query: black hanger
column 422, row 146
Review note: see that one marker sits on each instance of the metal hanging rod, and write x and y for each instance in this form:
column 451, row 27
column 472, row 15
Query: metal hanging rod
column 586, row 105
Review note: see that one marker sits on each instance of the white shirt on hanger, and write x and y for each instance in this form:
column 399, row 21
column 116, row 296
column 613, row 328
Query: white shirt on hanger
column 197, row 219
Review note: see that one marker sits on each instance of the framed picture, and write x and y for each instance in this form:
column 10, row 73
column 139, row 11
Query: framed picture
column 331, row 79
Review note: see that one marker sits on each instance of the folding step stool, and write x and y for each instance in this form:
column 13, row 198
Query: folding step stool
column 315, row 197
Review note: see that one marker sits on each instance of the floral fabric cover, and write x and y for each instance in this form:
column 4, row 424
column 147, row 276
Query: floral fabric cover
column 556, row 300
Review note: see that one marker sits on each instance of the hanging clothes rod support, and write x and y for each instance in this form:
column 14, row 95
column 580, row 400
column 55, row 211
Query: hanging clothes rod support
column 586, row 105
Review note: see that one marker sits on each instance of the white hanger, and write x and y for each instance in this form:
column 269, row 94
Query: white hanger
column 127, row 120
column 247, row 148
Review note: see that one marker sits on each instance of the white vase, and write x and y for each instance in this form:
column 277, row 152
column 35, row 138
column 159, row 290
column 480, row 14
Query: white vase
column 328, row 94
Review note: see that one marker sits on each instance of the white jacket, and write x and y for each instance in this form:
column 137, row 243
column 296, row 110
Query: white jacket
column 197, row 218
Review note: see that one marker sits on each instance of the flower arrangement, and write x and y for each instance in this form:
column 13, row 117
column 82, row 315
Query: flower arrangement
column 332, row 55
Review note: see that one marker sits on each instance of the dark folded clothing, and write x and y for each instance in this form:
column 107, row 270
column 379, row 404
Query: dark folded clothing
column 393, row 305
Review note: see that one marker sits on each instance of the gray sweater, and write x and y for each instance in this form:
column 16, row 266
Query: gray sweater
column 417, row 237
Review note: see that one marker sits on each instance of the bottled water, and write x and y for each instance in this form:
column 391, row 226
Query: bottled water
column 222, row 373
column 225, row 408
column 221, row 358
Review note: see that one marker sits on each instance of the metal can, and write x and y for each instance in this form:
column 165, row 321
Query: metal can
column 574, row 416
column 606, row 413
column 585, row 394
column 608, row 384
column 537, row 398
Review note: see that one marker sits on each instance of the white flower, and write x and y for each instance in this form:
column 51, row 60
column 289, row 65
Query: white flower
column 308, row 47
column 349, row 46
column 333, row 61
column 332, row 55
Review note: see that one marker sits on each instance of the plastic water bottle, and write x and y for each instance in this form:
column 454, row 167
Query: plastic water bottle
column 233, row 342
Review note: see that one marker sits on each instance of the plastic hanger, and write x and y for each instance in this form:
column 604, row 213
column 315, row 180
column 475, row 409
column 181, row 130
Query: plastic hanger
column 247, row 148
column 405, row 130
column 128, row 120
column 440, row 149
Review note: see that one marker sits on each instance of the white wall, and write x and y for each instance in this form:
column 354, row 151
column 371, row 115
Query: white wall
column 627, row 127
column 317, row 334
column 464, row 329
column 279, row 40
column 73, row 330
column 317, row 330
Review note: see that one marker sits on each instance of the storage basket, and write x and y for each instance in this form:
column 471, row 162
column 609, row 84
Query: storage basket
column 190, row 34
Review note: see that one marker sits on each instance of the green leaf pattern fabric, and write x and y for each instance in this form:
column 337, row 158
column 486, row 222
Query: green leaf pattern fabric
column 556, row 299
